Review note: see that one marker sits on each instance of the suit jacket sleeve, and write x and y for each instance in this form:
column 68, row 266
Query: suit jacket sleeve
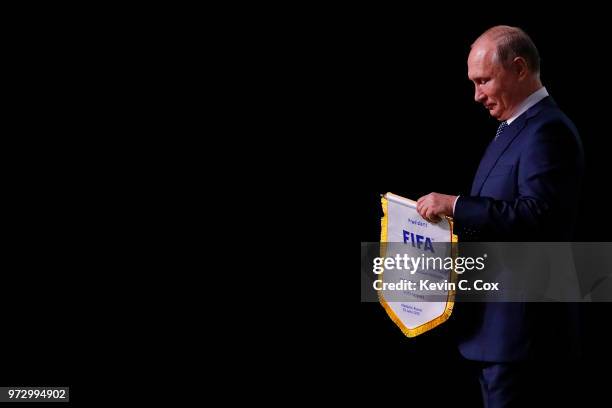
column 549, row 172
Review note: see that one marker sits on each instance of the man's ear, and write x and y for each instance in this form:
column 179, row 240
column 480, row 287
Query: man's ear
column 520, row 67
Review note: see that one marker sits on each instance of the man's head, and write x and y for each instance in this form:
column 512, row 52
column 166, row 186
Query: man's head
column 504, row 66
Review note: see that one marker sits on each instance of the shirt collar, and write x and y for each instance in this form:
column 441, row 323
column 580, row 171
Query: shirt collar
column 531, row 100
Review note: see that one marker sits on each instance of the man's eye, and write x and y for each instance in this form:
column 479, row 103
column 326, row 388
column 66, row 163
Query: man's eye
column 483, row 81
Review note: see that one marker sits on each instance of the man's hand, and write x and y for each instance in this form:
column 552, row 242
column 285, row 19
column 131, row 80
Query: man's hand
column 435, row 205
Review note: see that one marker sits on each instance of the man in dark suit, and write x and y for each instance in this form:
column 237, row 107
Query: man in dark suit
column 528, row 179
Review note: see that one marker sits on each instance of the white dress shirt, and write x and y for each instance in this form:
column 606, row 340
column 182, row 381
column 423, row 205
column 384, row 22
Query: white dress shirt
column 531, row 100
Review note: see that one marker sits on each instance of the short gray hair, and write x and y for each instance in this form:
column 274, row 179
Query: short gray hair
column 513, row 42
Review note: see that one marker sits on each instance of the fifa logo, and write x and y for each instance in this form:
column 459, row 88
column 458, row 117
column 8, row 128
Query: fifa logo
column 418, row 241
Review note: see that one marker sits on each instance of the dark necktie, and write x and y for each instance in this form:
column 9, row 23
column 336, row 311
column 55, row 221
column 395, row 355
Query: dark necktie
column 500, row 129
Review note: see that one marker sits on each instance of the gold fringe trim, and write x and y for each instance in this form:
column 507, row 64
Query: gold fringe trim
column 450, row 301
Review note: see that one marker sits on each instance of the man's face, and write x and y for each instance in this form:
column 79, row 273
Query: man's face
column 495, row 86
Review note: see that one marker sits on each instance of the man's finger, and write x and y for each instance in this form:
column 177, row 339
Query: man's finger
column 431, row 217
column 428, row 214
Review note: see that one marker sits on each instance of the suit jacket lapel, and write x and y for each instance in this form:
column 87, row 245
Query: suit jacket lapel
column 498, row 147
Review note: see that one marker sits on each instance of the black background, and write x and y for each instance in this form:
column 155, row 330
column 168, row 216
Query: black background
column 418, row 111
column 408, row 99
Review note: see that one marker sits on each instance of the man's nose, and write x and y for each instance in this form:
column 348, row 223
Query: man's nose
column 479, row 96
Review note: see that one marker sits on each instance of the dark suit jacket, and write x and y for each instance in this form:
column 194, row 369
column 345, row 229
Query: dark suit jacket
column 528, row 179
